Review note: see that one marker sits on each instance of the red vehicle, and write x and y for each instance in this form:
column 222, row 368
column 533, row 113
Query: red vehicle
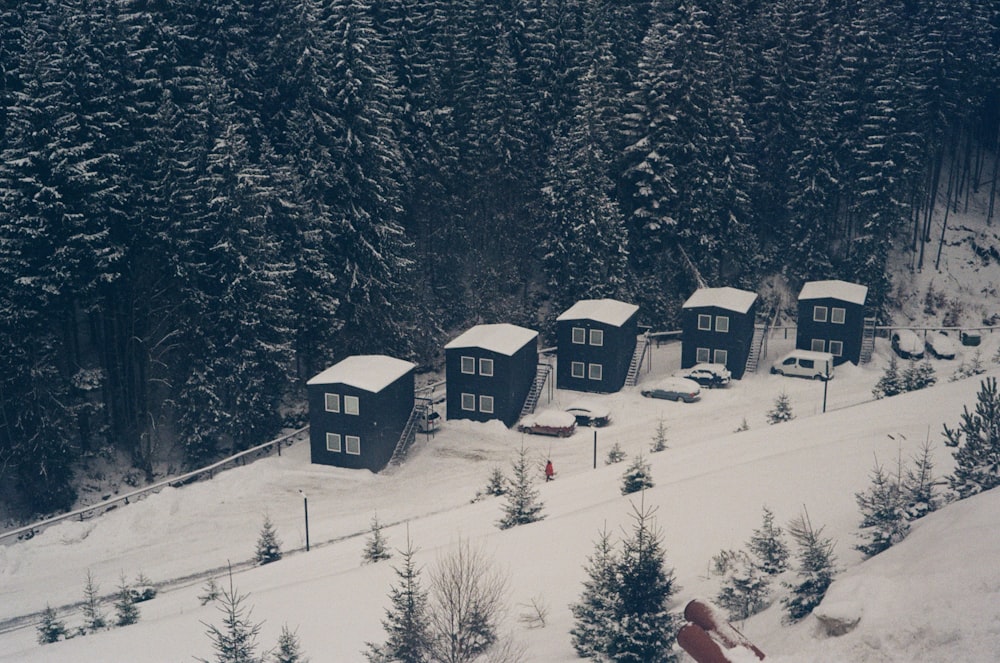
column 549, row 422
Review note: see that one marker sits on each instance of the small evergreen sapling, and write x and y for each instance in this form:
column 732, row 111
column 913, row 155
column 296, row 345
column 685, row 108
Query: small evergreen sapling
column 782, row 410
column 51, row 628
column 768, row 547
column 891, row 382
column 288, row 649
column 236, row 640
column 659, row 438
column 745, row 589
column 93, row 618
column 126, row 612
column 615, row 454
column 375, row 548
column 638, row 476
column 593, row 614
column 497, row 483
column 977, row 444
column 406, row 622
column 883, row 513
column 919, row 485
column 918, row 375
column 268, row 545
column 815, row 571
column 211, row 592
column 523, row 505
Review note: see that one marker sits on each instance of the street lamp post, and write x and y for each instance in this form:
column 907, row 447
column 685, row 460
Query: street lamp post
column 305, row 505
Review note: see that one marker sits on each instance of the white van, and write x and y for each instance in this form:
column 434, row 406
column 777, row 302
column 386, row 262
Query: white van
column 806, row 364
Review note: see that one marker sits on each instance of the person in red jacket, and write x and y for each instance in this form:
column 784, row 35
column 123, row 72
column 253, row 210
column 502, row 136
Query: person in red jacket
column 549, row 472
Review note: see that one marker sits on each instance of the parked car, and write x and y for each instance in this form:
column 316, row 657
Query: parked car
column 590, row 414
column 430, row 422
column 942, row 346
column 805, row 364
column 549, row 422
column 674, row 389
column 907, row 344
column 707, row 375
column 971, row 338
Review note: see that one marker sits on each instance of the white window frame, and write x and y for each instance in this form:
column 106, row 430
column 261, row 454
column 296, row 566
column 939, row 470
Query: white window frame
column 820, row 314
column 817, row 345
column 352, row 445
column 468, row 365
column 577, row 369
column 333, row 443
column 837, row 348
column 722, row 323
column 595, row 372
column 468, row 402
column 486, row 367
column 721, row 357
column 702, row 355
column 704, row 322
column 579, row 336
column 597, row 337
column 352, row 405
column 838, row 315
column 331, row 402
column 486, row 404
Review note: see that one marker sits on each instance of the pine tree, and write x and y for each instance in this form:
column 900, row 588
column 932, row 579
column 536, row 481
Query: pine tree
column 918, row 375
column 375, row 547
column 289, row 649
column 236, row 640
column 883, row 512
column 891, row 383
column 768, row 547
column 93, row 618
column 815, row 571
column 126, row 611
column 977, row 442
column 615, row 454
column 497, row 484
column 268, row 545
column 919, row 485
column 51, row 628
column 660, row 437
column 593, row 614
column 745, row 589
column 638, row 476
column 523, row 505
column 782, row 410
column 406, row 621
column 211, row 590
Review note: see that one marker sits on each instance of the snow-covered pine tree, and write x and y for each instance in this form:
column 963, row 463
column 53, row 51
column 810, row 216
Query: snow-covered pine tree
column 643, row 627
column 615, row 454
column 659, row 442
column 406, row 621
column 523, row 505
column 93, row 617
column 815, row 570
column 891, row 382
column 883, row 512
column 918, row 374
column 593, row 614
column 126, row 611
column 497, row 484
column 767, row 545
column 288, row 650
column 745, row 589
column 977, row 442
column 919, row 485
column 638, row 476
column 236, row 640
column 268, row 545
column 782, row 410
column 376, row 548
column 51, row 628
column 211, row 592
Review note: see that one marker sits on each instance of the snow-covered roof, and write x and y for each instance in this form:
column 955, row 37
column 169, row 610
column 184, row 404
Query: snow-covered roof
column 607, row 311
column 369, row 372
column 731, row 299
column 503, row 338
column 835, row 289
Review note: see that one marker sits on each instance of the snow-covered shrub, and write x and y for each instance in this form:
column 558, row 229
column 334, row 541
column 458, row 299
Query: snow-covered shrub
column 126, row 611
column 659, row 438
column 638, row 476
column 782, row 410
column 891, row 382
column 523, row 505
column 883, row 512
column 977, row 442
column 51, row 628
column 615, row 455
column 815, row 570
column 918, row 375
column 745, row 589
column 768, row 547
column 376, row 548
column 268, row 545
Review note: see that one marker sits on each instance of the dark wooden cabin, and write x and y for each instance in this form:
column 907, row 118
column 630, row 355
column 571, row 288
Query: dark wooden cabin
column 717, row 327
column 489, row 371
column 358, row 409
column 596, row 339
column 832, row 319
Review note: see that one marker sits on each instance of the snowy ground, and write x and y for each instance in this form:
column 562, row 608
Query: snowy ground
column 935, row 597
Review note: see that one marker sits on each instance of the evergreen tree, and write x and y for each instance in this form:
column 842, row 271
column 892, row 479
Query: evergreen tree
column 660, row 437
column 919, row 375
column 236, row 640
column 638, row 476
column 745, row 589
column 593, row 614
column 815, row 570
column 93, row 617
column 977, row 442
column 615, row 454
column 919, row 485
column 288, row 650
column 268, row 545
column 891, row 382
column 406, row 621
column 375, row 547
column 51, row 628
column 211, row 590
column 883, row 513
column 782, row 410
column 523, row 505
column 497, row 484
column 126, row 611
column 768, row 546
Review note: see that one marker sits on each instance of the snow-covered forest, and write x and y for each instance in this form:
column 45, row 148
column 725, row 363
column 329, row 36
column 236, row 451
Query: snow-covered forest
column 205, row 202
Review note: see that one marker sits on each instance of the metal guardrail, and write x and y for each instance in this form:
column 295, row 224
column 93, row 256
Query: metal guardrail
column 82, row 513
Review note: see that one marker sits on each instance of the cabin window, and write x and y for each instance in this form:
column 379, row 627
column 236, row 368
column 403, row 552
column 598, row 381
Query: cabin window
column 704, row 322
column 486, row 367
column 596, row 372
column 817, row 345
column 469, row 365
column 352, row 444
column 836, row 347
column 486, row 404
column 721, row 357
column 722, row 323
column 351, row 405
column 819, row 314
column 597, row 337
column 333, row 442
column 579, row 335
column 838, row 315
column 469, row 402
column 703, row 355
column 576, row 369
column 332, row 402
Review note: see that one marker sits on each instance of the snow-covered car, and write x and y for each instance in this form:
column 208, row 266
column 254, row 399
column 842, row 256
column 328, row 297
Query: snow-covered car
column 430, row 422
column 590, row 414
column 907, row 344
column 942, row 346
column 971, row 338
column 549, row 422
column 707, row 375
column 674, row 389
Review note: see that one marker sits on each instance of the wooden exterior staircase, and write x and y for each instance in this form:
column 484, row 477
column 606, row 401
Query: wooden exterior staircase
column 758, row 348
column 542, row 372
column 421, row 406
column 641, row 345
column 868, row 340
